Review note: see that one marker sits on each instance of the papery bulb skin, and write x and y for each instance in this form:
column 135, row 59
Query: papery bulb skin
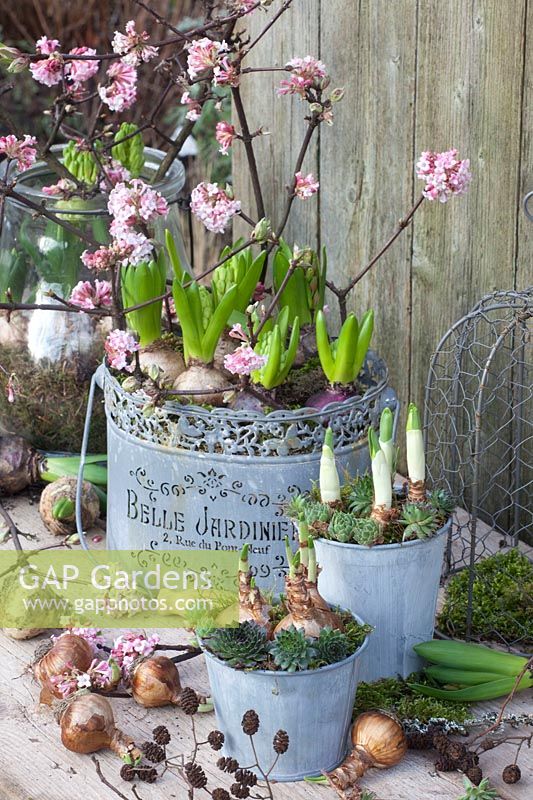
column 19, row 464
column 163, row 355
column 302, row 613
column 252, row 605
column 155, row 682
column 68, row 652
column 202, row 377
column 381, row 737
column 87, row 725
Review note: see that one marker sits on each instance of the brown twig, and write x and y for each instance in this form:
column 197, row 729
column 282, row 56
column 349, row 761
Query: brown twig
column 247, row 139
column 342, row 294
column 527, row 666
column 105, row 781
column 13, row 530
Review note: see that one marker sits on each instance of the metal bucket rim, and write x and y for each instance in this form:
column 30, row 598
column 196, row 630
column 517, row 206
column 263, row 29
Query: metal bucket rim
column 281, row 673
column 281, row 415
column 388, row 547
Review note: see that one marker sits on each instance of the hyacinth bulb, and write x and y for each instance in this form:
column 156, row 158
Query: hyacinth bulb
column 88, row 725
column 68, row 652
column 378, row 742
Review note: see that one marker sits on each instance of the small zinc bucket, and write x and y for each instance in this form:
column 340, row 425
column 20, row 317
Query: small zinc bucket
column 394, row 587
column 313, row 706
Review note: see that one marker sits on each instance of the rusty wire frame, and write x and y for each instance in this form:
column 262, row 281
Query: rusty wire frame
column 479, row 438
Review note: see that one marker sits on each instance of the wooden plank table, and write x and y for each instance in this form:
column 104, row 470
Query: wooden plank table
column 35, row 766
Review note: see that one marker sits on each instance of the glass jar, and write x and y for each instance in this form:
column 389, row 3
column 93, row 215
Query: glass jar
column 53, row 354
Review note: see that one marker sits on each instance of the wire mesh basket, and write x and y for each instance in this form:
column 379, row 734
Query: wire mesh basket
column 479, row 437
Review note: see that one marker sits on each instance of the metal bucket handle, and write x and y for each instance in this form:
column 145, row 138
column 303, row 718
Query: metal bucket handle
column 527, row 199
column 96, row 380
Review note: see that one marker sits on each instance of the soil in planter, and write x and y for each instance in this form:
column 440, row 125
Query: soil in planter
column 51, row 403
column 304, row 382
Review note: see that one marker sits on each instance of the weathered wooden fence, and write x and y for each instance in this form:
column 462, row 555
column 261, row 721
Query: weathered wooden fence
column 418, row 74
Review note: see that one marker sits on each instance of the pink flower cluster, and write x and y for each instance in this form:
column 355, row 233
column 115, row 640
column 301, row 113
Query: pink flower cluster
column 70, row 681
column 213, row 206
column 115, row 173
column 91, row 635
column 130, row 646
column 444, row 174
column 63, row 188
column 121, row 91
column 80, row 70
column 204, row 54
column 20, row 150
column 120, row 347
column 305, row 73
column 225, row 134
column 305, row 185
column 132, row 45
column 244, row 5
column 244, row 360
column 134, row 203
column 49, row 71
column 104, row 674
column 87, row 296
column 195, row 109
column 129, row 248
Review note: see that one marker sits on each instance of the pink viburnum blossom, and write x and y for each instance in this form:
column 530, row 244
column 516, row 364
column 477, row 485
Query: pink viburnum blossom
column 20, row 150
column 120, row 347
column 130, row 646
column 48, row 71
column 204, row 54
column 82, row 70
column 213, row 206
column 444, row 174
column 62, row 189
column 305, row 185
column 132, row 203
column 121, row 92
column 305, row 73
column 224, row 134
column 244, row 360
column 132, row 45
column 195, row 109
column 87, row 296
column 91, row 635
column 244, row 5
column 130, row 247
column 225, row 73
column 100, row 259
column 115, row 173
column 237, row 332
column 46, row 46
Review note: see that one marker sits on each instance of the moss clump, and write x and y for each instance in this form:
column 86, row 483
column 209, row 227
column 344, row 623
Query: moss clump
column 394, row 695
column 502, row 605
column 51, row 403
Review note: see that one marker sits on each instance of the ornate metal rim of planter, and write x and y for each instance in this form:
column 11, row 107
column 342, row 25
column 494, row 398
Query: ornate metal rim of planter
column 243, row 433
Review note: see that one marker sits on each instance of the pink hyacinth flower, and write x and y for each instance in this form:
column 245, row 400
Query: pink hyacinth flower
column 20, row 150
column 305, row 186
column 444, row 174
column 244, row 360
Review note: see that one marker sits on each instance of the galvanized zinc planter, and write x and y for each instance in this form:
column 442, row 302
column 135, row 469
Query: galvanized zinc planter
column 394, row 587
column 301, row 703
column 187, row 477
